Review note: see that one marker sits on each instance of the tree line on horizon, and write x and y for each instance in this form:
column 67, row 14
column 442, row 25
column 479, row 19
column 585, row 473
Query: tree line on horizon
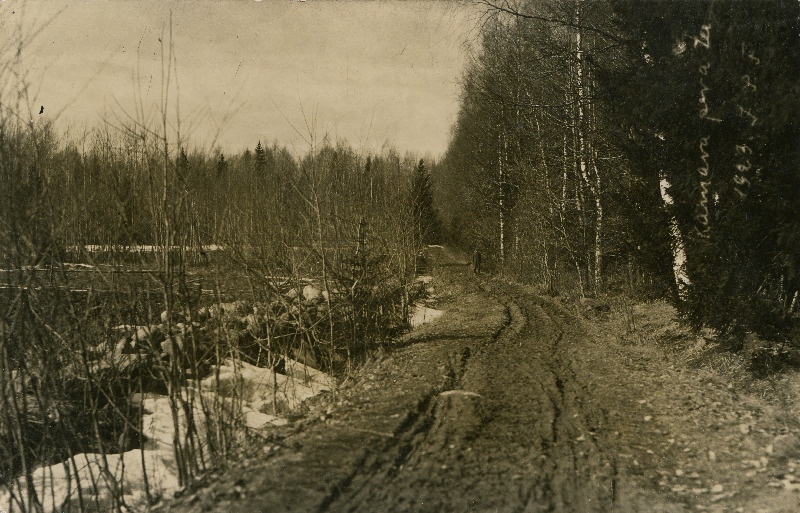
column 65, row 195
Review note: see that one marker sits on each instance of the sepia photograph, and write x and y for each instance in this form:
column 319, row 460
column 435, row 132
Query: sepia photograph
column 501, row 256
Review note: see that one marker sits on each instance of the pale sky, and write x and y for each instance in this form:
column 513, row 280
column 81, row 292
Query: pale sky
column 370, row 72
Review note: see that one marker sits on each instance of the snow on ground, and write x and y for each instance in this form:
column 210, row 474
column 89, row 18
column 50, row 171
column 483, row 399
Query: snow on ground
column 253, row 386
column 139, row 248
column 259, row 389
column 422, row 314
column 99, row 474
column 55, row 487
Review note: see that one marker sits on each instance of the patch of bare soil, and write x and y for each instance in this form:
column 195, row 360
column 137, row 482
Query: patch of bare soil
column 512, row 402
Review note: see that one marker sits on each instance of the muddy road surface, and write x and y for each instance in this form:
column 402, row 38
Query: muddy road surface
column 510, row 429
column 507, row 403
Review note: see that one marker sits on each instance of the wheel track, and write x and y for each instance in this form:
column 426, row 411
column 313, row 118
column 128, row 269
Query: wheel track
column 545, row 443
column 380, row 466
column 581, row 417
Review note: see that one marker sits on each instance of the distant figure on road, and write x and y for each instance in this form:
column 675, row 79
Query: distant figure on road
column 476, row 261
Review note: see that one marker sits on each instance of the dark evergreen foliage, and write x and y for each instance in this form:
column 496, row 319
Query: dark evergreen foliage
column 716, row 88
column 424, row 217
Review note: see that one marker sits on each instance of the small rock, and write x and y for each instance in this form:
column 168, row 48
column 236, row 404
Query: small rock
column 744, row 428
column 717, row 488
column 712, row 456
column 791, row 486
column 679, row 472
column 648, row 418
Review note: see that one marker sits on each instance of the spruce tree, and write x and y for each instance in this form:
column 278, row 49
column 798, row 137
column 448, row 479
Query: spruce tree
column 260, row 160
column 425, row 218
column 222, row 165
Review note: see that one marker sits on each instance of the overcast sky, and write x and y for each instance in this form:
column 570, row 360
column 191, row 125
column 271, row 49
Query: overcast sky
column 372, row 71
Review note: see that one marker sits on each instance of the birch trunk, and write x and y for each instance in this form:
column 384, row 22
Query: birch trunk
column 585, row 151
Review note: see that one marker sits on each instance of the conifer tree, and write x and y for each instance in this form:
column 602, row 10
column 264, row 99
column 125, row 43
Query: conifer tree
column 222, row 165
column 260, row 160
column 425, row 218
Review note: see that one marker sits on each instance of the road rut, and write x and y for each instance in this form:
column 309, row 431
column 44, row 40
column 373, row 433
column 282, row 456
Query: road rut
column 481, row 410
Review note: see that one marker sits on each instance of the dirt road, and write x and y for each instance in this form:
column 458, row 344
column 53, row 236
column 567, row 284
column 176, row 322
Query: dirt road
column 510, row 430
column 507, row 403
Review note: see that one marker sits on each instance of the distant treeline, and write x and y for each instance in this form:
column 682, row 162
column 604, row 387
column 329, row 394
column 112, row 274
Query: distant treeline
column 107, row 188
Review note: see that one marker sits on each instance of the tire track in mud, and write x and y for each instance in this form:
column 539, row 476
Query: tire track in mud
column 582, row 471
column 512, row 429
column 410, row 444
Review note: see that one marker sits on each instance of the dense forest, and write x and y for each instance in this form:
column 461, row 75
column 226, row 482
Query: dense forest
column 602, row 147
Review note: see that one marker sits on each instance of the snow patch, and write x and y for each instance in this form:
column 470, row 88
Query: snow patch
column 55, row 487
column 259, row 389
column 422, row 314
column 98, row 475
